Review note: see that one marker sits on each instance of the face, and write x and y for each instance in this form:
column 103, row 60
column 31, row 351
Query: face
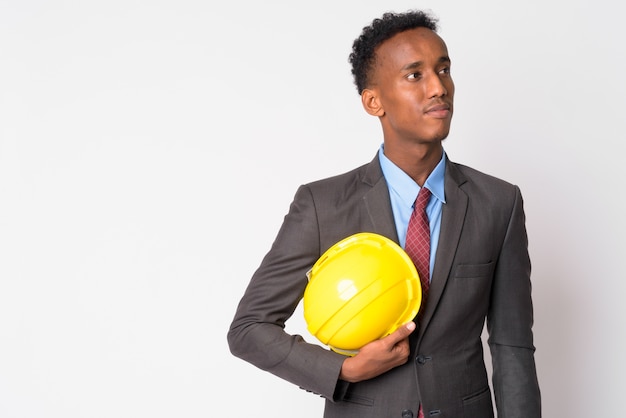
column 411, row 87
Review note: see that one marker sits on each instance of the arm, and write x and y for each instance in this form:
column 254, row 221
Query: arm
column 510, row 323
column 257, row 331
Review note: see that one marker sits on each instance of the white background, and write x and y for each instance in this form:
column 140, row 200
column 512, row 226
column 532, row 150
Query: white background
column 149, row 150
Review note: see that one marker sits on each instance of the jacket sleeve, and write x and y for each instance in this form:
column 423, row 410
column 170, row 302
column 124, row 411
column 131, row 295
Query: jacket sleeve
column 257, row 332
column 509, row 323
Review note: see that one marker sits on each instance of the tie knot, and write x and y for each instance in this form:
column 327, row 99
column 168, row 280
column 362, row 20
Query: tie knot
column 422, row 198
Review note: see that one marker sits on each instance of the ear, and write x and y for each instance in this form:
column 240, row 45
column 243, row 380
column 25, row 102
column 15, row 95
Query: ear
column 371, row 103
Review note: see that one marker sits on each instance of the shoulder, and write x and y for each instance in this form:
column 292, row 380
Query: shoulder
column 364, row 176
column 480, row 185
column 463, row 173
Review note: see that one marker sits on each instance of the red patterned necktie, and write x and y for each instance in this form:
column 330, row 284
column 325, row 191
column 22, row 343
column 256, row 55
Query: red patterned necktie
column 417, row 246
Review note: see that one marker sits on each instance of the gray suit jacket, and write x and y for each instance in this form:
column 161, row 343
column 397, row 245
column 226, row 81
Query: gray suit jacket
column 482, row 270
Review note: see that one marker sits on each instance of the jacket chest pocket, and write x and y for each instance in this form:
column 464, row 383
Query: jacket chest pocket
column 472, row 285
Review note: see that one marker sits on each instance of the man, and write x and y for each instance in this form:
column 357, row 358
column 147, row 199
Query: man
column 479, row 265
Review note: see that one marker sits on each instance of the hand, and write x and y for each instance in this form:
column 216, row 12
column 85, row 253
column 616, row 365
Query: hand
column 379, row 356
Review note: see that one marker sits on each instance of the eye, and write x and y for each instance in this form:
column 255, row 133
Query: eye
column 445, row 70
column 414, row 76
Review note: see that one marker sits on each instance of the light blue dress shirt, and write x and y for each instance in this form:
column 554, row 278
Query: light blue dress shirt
column 403, row 191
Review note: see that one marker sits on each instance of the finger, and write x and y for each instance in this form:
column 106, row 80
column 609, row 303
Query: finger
column 401, row 333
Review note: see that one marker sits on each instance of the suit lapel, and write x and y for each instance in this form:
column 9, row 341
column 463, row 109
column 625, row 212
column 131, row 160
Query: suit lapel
column 377, row 203
column 379, row 214
column 452, row 219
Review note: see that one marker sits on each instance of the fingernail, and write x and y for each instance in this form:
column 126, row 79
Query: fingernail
column 410, row 326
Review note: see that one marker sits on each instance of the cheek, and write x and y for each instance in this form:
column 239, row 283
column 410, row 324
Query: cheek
column 411, row 103
column 409, row 113
column 450, row 88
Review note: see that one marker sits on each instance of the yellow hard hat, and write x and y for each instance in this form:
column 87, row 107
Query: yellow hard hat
column 362, row 288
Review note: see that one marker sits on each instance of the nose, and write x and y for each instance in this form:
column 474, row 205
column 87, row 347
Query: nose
column 435, row 87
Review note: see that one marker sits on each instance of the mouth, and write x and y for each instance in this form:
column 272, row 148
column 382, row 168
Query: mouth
column 439, row 111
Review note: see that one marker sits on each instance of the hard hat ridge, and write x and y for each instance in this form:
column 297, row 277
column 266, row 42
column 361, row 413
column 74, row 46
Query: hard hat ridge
column 361, row 289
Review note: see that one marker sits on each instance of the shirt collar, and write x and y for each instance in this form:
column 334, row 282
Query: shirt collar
column 405, row 187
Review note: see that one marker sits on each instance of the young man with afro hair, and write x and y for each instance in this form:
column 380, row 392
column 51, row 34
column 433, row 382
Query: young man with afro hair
column 478, row 267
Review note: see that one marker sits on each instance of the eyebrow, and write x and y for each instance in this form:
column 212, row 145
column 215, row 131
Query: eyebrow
column 413, row 65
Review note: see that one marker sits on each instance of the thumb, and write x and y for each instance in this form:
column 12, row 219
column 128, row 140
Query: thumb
column 402, row 332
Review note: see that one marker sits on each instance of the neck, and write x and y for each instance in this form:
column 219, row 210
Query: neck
column 418, row 161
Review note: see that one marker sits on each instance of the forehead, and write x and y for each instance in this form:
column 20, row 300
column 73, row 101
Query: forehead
column 413, row 45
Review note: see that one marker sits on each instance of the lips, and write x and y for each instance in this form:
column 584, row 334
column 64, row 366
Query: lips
column 440, row 110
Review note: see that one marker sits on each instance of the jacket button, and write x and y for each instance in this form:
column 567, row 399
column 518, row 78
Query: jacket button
column 422, row 359
column 407, row 413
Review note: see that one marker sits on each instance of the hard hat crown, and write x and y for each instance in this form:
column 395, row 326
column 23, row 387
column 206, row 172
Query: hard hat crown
column 362, row 288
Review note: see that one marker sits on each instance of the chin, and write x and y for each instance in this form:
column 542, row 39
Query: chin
column 439, row 132
column 440, row 136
